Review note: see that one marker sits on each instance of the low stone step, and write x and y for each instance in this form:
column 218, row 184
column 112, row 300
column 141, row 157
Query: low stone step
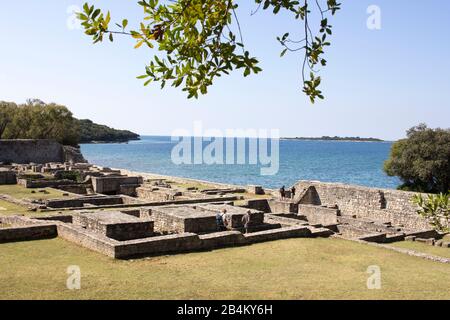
column 423, row 234
column 395, row 237
column 277, row 234
column 320, row 232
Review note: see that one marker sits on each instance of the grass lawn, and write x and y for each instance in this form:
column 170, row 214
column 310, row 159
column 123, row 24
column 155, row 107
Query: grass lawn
column 10, row 209
column 286, row 269
column 187, row 185
column 20, row 192
column 425, row 248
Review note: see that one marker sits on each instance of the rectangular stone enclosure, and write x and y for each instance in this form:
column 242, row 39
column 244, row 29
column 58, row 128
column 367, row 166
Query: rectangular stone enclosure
column 198, row 218
column 112, row 184
column 319, row 214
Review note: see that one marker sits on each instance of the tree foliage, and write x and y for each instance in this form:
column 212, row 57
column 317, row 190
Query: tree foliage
column 436, row 209
column 422, row 160
column 37, row 120
column 202, row 40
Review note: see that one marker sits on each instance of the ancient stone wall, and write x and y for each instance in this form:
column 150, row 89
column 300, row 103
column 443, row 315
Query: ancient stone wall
column 276, row 234
column 84, row 238
column 80, row 202
column 282, row 206
column 7, row 177
column 37, row 151
column 319, row 214
column 115, row 225
column 112, row 184
column 258, row 204
column 167, row 222
column 155, row 194
column 27, row 151
column 371, row 203
column 36, row 184
column 26, row 233
column 157, row 245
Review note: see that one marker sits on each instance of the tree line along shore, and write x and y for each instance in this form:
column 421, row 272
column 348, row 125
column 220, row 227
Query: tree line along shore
column 38, row 120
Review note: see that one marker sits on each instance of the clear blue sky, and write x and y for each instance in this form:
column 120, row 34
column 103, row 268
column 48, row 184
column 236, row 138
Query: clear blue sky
column 378, row 83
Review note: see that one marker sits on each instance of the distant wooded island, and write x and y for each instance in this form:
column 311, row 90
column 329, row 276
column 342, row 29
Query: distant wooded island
column 336, row 138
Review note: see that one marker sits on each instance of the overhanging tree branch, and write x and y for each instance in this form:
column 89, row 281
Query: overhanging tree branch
column 196, row 48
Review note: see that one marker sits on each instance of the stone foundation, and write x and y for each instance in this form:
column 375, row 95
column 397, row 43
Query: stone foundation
column 83, row 201
column 282, row 206
column 319, row 214
column 112, row 184
column 370, row 203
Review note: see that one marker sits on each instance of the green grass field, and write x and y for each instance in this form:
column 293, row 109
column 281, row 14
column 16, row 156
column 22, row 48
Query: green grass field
column 9, row 209
column 20, row 192
column 287, row 269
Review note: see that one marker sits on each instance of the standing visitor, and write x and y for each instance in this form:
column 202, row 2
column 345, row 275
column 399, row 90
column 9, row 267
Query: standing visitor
column 246, row 220
column 220, row 222
column 283, row 192
column 293, row 192
column 225, row 217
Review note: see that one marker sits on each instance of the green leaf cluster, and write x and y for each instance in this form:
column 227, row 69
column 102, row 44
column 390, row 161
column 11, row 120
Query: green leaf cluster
column 201, row 40
column 436, row 209
column 37, row 120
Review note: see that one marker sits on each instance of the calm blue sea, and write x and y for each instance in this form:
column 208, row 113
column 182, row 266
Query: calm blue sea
column 357, row 163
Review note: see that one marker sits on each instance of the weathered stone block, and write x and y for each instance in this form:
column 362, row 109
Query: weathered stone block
column 27, row 151
column 222, row 239
column 183, row 219
column 82, row 201
column 111, row 184
column 277, row 234
column 319, row 214
column 157, row 194
column 7, row 177
column 158, row 245
column 255, row 189
column 282, row 206
column 27, row 233
column 115, row 225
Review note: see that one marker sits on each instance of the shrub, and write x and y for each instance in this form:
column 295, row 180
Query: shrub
column 422, row 160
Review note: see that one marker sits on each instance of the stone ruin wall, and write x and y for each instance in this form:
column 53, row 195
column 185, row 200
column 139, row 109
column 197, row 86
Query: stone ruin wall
column 37, row 151
column 371, row 203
